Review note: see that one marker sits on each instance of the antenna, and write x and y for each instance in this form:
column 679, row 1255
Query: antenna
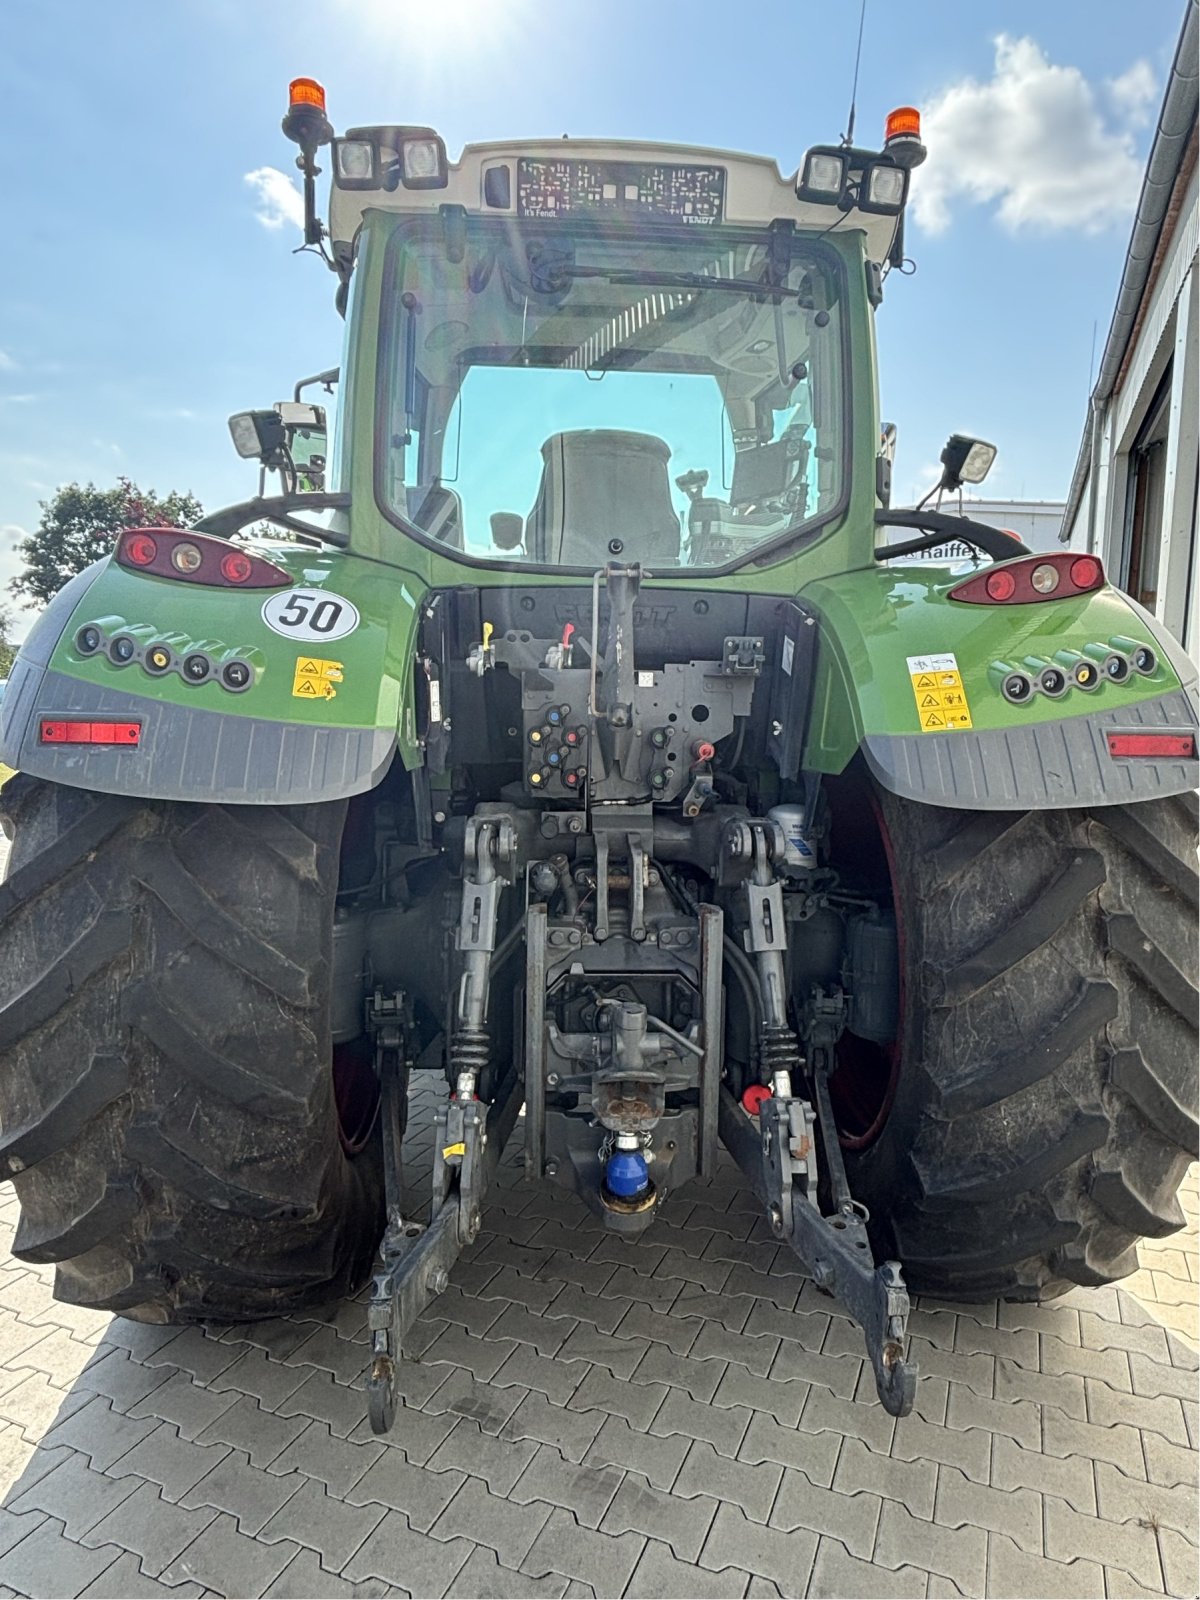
column 848, row 136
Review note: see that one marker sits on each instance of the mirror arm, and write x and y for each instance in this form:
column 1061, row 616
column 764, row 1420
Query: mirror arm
column 277, row 508
column 941, row 529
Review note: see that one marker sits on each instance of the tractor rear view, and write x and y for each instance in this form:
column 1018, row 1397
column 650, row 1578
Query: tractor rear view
column 579, row 740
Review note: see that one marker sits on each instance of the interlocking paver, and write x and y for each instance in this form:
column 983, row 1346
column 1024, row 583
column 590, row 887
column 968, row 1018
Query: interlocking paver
column 1168, row 1464
column 914, row 1483
column 442, row 1344
column 261, row 1434
column 538, row 1419
column 49, row 1565
column 411, row 1560
column 678, row 1332
column 836, row 1574
column 1019, row 1419
column 681, row 1523
column 193, row 1351
column 1071, row 1478
column 814, row 1454
column 785, row 1559
column 1179, row 1561
column 777, row 1397
column 119, row 1377
column 125, row 1580
column 852, row 1518
column 1012, row 1574
column 660, row 1365
column 906, row 1541
column 249, row 1493
column 1064, row 1436
column 589, row 1344
column 1073, row 1536
column 754, row 1488
column 100, row 1433
column 755, row 1352
column 555, row 1377
column 657, row 1460
column 322, row 1399
column 319, row 1454
column 421, row 1494
column 33, row 1403
column 604, row 1561
column 304, row 1577
column 659, row 1576
column 1122, row 1499
column 1152, row 1413
column 483, row 1578
column 638, row 1403
column 464, row 1395
column 723, row 1426
column 314, row 1518
column 586, row 1491
column 76, row 1495
column 499, row 1462
column 1015, row 1512
column 189, row 1406
column 415, row 1434
column 254, row 1373
column 15, row 1526
column 149, row 1525
column 507, row 1527
column 228, row 1561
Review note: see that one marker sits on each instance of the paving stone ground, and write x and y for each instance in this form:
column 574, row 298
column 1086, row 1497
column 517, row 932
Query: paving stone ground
column 680, row 1416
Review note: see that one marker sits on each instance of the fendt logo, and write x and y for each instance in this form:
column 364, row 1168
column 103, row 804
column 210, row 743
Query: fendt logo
column 643, row 616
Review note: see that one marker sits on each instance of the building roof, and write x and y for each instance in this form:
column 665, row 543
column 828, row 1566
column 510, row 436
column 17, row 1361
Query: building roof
column 1172, row 159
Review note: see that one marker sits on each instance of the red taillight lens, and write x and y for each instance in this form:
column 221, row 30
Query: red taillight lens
column 236, row 567
column 1087, row 573
column 1166, row 746
column 1029, row 579
column 55, row 731
column 140, row 548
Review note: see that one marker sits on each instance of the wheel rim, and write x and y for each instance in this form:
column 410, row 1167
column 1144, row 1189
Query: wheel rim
column 863, row 1085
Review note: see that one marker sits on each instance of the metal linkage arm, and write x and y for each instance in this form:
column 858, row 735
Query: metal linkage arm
column 835, row 1248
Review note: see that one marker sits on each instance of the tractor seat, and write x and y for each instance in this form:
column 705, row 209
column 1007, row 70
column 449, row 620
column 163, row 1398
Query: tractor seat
column 605, row 495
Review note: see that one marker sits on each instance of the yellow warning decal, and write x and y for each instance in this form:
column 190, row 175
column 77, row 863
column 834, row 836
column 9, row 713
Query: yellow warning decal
column 453, row 1150
column 314, row 679
column 942, row 705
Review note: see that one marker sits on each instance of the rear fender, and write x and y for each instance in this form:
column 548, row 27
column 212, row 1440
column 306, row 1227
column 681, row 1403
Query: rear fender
column 321, row 717
column 912, row 679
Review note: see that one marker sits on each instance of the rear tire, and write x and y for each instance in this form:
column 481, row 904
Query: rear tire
column 1045, row 1110
column 167, row 1109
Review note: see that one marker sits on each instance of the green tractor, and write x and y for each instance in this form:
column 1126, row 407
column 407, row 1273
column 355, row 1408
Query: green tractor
column 582, row 736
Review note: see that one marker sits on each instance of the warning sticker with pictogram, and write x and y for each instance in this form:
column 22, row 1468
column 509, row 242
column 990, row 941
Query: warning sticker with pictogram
column 938, row 689
column 315, row 679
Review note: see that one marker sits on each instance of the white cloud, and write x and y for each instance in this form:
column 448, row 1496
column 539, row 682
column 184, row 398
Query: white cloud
column 1134, row 93
column 279, row 200
column 17, row 399
column 7, row 362
column 1033, row 142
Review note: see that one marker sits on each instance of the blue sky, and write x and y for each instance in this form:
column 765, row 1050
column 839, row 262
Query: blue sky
column 143, row 297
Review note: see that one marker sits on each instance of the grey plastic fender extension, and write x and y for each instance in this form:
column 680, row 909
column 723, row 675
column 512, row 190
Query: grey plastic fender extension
column 185, row 754
column 1040, row 766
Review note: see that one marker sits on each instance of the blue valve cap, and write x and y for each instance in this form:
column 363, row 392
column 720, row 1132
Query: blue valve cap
column 625, row 1175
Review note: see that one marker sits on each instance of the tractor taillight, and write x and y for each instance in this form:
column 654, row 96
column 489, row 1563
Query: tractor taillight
column 1156, row 746
column 236, row 567
column 1031, row 578
column 140, row 548
column 197, row 558
column 56, row 730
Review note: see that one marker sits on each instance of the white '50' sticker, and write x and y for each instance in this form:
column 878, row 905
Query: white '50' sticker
column 311, row 614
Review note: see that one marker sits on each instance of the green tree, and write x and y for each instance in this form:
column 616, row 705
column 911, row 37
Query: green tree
column 8, row 650
column 81, row 523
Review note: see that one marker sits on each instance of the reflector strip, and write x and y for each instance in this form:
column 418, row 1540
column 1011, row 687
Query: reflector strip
column 1177, row 746
column 62, row 732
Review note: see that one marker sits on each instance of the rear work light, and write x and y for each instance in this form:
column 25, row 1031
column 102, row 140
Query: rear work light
column 1027, row 579
column 197, row 558
column 1155, row 746
column 56, row 730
